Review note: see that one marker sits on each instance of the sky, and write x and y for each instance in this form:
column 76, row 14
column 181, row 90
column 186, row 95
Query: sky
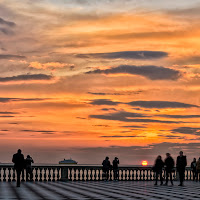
column 88, row 79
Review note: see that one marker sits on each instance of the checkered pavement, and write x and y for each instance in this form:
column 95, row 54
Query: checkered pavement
column 143, row 190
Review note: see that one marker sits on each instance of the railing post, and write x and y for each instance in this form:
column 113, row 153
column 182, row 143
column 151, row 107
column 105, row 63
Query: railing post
column 13, row 177
column 64, row 173
column 4, row 174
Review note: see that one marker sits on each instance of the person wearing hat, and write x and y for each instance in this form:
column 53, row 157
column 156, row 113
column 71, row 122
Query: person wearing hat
column 115, row 168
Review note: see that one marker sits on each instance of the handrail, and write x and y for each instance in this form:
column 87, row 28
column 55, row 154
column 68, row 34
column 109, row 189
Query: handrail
column 48, row 172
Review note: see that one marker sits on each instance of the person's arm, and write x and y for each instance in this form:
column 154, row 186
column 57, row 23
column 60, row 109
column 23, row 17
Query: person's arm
column 185, row 161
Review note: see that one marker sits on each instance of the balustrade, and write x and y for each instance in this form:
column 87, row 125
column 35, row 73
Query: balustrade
column 84, row 173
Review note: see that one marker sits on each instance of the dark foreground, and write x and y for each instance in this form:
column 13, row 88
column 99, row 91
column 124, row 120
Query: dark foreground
column 98, row 190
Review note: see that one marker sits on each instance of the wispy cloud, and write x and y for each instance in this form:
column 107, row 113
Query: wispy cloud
column 129, row 117
column 26, row 77
column 151, row 72
column 10, row 56
column 161, row 104
column 142, row 55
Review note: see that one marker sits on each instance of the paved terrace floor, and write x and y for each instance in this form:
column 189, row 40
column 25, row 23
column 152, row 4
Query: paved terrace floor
column 98, row 190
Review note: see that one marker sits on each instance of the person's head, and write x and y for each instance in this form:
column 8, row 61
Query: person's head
column 107, row 158
column 181, row 153
column 19, row 151
column 168, row 154
column 28, row 156
column 159, row 157
column 116, row 158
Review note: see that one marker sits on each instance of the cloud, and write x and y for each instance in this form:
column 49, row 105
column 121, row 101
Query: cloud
column 40, row 131
column 179, row 116
column 161, row 104
column 133, row 126
column 6, row 116
column 142, row 55
column 6, row 31
column 187, row 130
column 151, row 72
column 8, row 23
column 10, row 57
column 8, row 113
column 6, row 100
column 120, row 136
column 102, row 93
column 171, row 136
column 103, row 102
column 128, row 117
column 26, row 77
column 50, row 65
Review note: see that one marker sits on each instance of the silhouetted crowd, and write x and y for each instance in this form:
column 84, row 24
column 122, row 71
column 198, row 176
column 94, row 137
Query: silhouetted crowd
column 168, row 165
column 107, row 167
column 20, row 164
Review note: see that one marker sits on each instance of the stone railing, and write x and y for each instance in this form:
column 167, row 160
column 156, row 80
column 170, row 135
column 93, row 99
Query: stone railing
column 83, row 173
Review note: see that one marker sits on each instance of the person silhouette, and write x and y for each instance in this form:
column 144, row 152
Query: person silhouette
column 169, row 163
column 194, row 168
column 181, row 163
column 18, row 160
column 158, row 166
column 106, row 167
column 198, row 169
column 115, row 168
column 29, row 171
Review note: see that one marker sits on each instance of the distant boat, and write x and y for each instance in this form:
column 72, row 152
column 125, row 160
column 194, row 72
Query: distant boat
column 68, row 161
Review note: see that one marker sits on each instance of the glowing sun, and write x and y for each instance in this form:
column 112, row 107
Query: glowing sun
column 144, row 163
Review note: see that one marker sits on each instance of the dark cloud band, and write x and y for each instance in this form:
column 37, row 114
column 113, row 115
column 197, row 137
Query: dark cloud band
column 142, row 55
column 151, row 72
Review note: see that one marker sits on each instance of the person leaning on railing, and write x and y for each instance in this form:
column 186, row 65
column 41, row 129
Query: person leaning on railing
column 194, row 168
column 115, row 168
column 28, row 167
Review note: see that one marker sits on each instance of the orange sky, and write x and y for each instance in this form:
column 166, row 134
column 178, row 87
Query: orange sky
column 91, row 79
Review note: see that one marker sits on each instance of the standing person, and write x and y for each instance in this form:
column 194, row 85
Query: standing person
column 194, row 168
column 115, row 168
column 29, row 171
column 18, row 160
column 106, row 167
column 198, row 170
column 158, row 166
column 181, row 163
column 169, row 163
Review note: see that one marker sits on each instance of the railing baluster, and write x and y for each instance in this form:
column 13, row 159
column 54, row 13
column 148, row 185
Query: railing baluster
column 9, row 174
column 87, row 174
column 53, row 174
column 49, row 174
column 58, row 173
column 4, row 174
column 83, row 174
column 40, row 170
column 13, row 174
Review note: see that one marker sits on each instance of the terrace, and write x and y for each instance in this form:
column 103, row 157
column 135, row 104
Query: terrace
column 85, row 182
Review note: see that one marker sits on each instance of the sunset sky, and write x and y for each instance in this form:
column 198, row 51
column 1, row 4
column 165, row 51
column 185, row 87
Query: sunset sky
column 87, row 78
